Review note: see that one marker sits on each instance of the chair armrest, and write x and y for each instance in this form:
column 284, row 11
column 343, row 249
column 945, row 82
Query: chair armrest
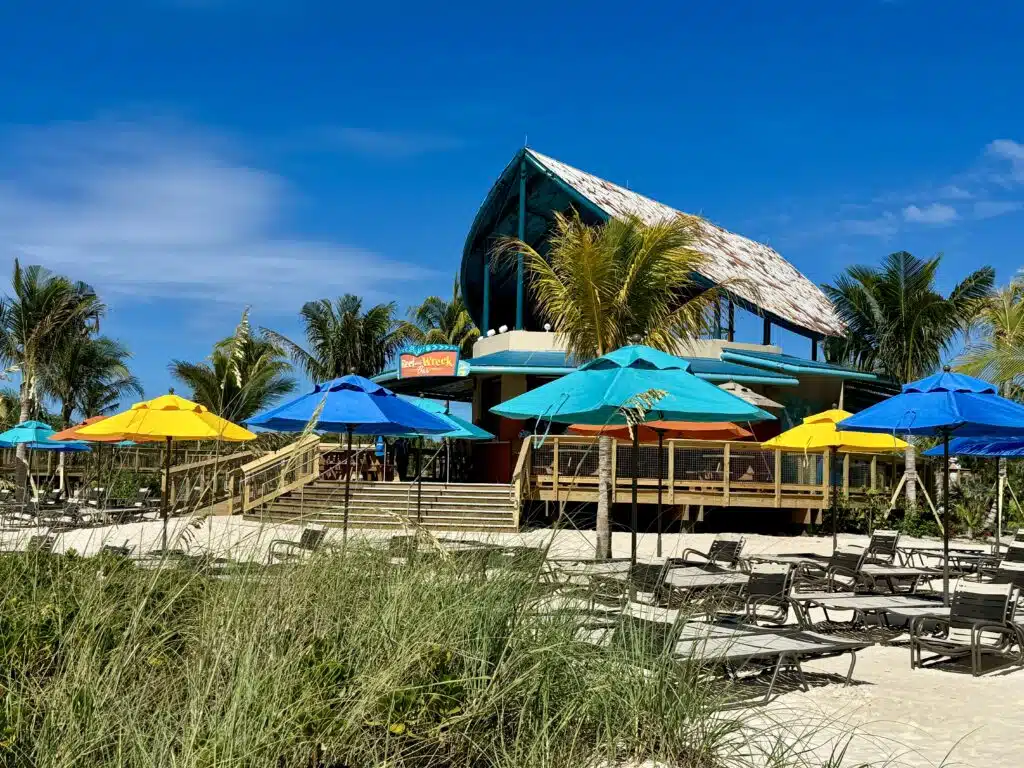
column 780, row 604
column 278, row 544
column 834, row 571
column 688, row 551
column 917, row 623
column 1004, row 628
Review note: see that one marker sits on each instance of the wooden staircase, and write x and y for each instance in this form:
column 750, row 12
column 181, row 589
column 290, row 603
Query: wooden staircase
column 475, row 507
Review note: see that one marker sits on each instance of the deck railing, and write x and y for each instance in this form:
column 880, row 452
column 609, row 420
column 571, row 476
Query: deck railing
column 702, row 472
column 277, row 473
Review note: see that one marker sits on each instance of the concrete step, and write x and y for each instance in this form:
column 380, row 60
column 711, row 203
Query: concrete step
column 389, row 521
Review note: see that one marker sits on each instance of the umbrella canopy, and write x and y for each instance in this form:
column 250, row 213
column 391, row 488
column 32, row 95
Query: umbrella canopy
column 26, row 432
column 63, row 446
column 597, row 392
column 944, row 404
column 352, row 404
column 752, row 397
column 980, row 446
column 819, row 432
column 72, row 433
column 170, row 417
column 670, row 430
column 460, row 428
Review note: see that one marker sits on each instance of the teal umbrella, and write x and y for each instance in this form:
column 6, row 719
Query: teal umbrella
column 35, row 435
column 654, row 385
column 460, row 428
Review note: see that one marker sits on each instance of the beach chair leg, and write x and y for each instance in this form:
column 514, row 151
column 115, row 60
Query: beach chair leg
column 853, row 663
column 775, row 675
column 800, row 674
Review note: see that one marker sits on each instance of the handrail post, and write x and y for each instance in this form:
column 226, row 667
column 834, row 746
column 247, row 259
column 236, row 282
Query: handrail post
column 554, row 466
column 671, row 472
column 846, row 475
column 778, row 478
column 615, row 468
column 826, row 476
column 725, row 475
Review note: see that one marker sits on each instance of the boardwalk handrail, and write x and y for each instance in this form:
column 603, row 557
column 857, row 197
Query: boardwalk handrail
column 516, row 486
column 279, row 472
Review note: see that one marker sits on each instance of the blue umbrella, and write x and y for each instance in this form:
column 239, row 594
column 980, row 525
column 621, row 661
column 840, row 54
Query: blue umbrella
column 352, row 405
column 944, row 405
column 638, row 379
column 27, row 432
column 981, row 446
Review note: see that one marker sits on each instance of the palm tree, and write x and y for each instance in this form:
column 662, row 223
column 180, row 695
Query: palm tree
column 899, row 325
column 343, row 339
column 84, row 367
column 437, row 321
column 602, row 287
column 46, row 313
column 245, row 374
column 997, row 351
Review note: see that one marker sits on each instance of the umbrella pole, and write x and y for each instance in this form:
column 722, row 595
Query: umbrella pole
column 661, row 443
column 945, row 518
column 348, row 484
column 166, row 501
column 835, row 501
column 633, row 514
column 419, row 477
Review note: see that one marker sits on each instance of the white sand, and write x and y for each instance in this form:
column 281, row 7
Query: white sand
column 897, row 716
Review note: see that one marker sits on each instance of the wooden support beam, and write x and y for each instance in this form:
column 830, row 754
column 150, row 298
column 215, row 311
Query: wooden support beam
column 846, row 475
column 671, row 471
column 778, row 478
column 874, row 473
column 725, row 475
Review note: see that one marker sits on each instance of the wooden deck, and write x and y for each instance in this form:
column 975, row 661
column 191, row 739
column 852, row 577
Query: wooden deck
column 699, row 474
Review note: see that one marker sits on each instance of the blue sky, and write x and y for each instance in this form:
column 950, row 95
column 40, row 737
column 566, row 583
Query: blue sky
column 190, row 158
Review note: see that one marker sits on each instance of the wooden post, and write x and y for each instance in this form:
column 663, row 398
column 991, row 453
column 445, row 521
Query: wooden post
column 615, row 468
column 554, row 466
column 725, row 475
column 874, row 473
column 671, row 472
column 778, row 478
column 846, row 475
column 826, row 477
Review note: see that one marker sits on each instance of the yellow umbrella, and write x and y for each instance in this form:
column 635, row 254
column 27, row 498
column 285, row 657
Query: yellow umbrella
column 819, row 432
column 172, row 418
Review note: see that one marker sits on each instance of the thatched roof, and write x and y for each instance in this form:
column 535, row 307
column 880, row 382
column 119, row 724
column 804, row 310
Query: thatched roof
column 780, row 288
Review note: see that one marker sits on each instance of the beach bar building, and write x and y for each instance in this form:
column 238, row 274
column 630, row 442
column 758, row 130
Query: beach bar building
column 527, row 466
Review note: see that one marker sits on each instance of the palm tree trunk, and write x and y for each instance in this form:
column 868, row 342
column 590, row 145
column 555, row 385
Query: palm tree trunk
column 604, row 490
column 910, row 459
column 21, row 467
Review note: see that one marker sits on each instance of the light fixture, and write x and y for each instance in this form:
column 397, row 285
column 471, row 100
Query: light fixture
column 490, row 333
column 547, row 327
column 502, row 328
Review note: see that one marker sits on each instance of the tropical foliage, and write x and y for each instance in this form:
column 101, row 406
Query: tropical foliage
column 607, row 286
column 437, row 321
column 899, row 324
column 245, row 374
column 996, row 351
column 44, row 317
column 89, row 376
column 341, row 338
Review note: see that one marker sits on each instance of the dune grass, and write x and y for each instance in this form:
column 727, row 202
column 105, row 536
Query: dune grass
column 345, row 660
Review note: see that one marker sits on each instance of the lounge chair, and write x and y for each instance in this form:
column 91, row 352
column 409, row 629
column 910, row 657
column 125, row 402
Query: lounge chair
column 766, row 596
column 979, row 622
column 724, row 550
column 41, row 544
column 125, row 550
column 1014, row 553
column 311, row 541
column 841, row 573
column 882, row 549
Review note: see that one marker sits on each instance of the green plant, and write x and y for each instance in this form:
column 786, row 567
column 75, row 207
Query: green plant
column 125, row 484
column 437, row 321
column 341, row 661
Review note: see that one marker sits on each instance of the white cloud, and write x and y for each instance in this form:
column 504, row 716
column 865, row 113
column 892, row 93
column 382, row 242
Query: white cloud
column 1011, row 151
column 953, row 192
column 988, row 209
column 936, row 213
column 882, row 226
column 161, row 212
